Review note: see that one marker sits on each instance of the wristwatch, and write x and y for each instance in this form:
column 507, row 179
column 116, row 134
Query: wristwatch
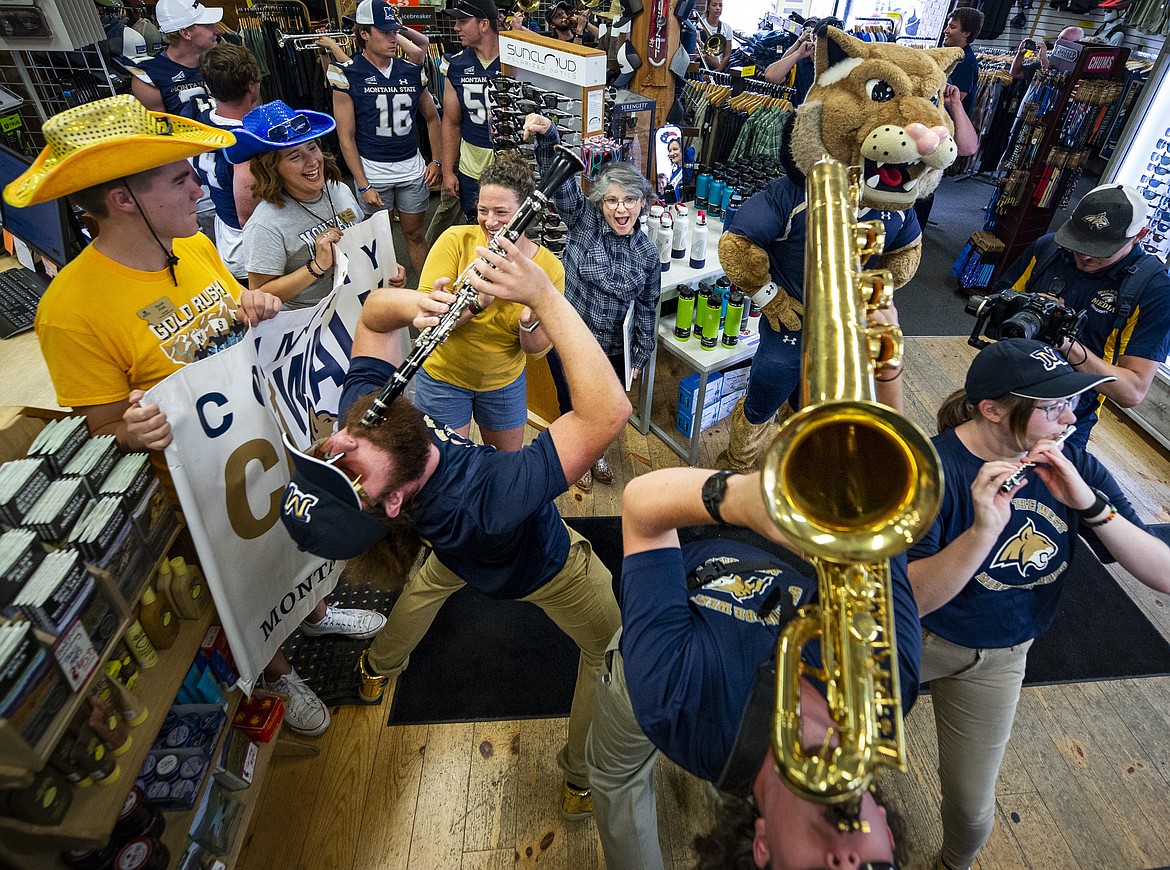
column 714, row 489
column 1097, row 506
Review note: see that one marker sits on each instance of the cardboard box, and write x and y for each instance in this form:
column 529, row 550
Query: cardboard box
column 688, row 392
column 727, row 403
column 259, row 716
column 735, row 379
column 709, row 418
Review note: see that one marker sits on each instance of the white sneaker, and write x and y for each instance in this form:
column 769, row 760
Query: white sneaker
column 354, row 624
column 304, row 713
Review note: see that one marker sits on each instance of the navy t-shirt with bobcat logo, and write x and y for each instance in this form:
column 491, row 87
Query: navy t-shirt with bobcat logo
column 488, row 514
column 1013, row 596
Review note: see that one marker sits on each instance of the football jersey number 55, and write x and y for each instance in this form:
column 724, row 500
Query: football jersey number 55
column 395, row 117
column 474, row 103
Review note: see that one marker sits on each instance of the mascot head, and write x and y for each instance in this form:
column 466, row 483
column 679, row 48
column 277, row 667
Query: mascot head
column 879, row 106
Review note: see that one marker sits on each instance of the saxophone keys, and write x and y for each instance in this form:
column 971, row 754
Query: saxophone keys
column 877, row 288
column 870, row 238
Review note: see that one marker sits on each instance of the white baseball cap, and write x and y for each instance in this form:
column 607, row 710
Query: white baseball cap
column 174, row 15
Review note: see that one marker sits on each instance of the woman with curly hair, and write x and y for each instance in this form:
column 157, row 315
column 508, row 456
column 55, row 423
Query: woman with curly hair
column 304, row 208
column 479, row 370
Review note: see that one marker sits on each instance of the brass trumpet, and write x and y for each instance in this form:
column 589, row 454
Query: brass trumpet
column 714, row 43
column 308, row 41
column 851, row 483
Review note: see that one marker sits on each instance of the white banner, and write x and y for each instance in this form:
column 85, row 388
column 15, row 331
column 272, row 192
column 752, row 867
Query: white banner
column 227, row 413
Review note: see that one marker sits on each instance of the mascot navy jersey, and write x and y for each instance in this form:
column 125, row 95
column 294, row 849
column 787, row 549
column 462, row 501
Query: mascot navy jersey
column 469, row 78
column 385, row 106
column 216, row 173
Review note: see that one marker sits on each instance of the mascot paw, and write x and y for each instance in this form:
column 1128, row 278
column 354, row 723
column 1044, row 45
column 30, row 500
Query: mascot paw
column 745, row 263
column 784, row 313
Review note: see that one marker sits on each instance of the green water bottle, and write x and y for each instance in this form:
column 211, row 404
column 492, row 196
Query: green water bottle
column 710, row 337
column 734, row 317
column 685, row 318
column 704, row 293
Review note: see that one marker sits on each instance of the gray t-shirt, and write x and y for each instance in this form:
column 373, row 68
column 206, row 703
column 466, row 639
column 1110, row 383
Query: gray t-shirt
column 279, row 239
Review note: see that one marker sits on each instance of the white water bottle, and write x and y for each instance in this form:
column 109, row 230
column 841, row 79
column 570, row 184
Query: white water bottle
column 699, row 241
column 665, row 239
column 654, row 224
column 682, row 228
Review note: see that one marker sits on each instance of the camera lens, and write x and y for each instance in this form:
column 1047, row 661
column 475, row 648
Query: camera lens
column 975, row 305
column 1022, row 324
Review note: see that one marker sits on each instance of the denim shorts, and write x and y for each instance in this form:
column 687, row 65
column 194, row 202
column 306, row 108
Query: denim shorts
column 495, row 410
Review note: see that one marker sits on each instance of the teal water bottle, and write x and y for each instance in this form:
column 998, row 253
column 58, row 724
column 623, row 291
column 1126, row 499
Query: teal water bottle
column 734, row 318
column 685, row 318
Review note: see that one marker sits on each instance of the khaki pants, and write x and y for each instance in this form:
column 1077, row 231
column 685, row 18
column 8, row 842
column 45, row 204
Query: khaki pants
column 621, row 772
column 974, row 693
column 579, row 599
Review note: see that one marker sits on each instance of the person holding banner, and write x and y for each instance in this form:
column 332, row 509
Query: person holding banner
column 479, row 370
column 149, row 295
column 488, row 515
column 304, row 207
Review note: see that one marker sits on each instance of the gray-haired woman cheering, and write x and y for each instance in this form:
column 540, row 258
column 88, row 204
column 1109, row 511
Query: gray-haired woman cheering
column 609, row 266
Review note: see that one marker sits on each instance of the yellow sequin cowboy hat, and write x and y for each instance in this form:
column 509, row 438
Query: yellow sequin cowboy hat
column 105, row 140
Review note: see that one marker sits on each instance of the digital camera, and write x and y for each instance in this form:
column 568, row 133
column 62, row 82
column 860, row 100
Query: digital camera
column 1012, row 314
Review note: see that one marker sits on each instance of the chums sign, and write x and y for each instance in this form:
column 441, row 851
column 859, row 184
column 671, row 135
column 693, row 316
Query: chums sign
column 570, row 67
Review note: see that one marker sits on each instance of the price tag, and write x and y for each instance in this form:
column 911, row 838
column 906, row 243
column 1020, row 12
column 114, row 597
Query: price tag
column 10, row 122
column 75, row 654
column 748, row 71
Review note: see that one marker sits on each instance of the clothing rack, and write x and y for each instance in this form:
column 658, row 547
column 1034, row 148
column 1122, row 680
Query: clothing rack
column 293, row 76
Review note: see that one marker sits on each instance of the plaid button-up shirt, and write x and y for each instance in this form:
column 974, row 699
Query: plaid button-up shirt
column 606, row 273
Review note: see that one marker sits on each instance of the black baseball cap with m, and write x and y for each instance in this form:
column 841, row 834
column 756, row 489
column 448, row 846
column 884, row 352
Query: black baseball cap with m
column 472, row 9
column 1027, row 368
column 1104, row 221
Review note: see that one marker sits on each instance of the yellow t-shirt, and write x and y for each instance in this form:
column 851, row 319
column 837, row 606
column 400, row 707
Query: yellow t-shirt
column 106, row 329
column 484, row 353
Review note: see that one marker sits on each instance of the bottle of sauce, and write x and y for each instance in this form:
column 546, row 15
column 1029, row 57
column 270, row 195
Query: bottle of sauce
column 158, row 620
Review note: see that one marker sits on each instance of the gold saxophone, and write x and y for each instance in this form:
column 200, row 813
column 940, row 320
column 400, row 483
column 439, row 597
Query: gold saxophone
column 851, row 483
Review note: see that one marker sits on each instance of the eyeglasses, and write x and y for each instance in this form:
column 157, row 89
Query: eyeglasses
column 295, row 126
column 628, row 201
column 1053, row 411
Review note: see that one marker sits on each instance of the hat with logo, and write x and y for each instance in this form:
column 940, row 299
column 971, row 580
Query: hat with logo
column 472, row 9
column 323, row 512
column 174, row 15
column 275, row 126
column 1105, row 219
column 1028, row 368
column 374, row 13
column 105, row 140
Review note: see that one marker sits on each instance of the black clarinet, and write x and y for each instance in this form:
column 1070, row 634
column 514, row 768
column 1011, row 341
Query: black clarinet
column 564, row 164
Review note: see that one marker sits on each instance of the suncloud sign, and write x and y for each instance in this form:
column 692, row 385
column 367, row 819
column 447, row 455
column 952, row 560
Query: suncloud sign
column 552, row 63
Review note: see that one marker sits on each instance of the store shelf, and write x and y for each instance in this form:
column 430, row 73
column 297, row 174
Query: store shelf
column 250, row 798
column 95, row 809
column 12, row 775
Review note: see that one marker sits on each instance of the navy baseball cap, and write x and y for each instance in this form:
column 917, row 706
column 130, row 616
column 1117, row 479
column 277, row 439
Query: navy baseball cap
column 1028, row 368
column 323, row 512
column 472, row 9
column 1105, row 219
column 374, row 13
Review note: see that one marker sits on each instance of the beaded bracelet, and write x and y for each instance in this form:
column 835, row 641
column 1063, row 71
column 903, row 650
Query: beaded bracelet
column 1108, row 517
column 309, row 266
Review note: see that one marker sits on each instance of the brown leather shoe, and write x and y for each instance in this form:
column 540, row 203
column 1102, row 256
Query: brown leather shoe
column 602, row 473
column 585, row 484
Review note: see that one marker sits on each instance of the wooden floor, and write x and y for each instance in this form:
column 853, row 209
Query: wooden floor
column 1086, row 780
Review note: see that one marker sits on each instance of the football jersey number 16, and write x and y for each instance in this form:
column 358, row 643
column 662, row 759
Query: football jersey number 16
column 394, row 114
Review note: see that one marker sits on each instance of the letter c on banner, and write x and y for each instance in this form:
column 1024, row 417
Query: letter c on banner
column 244, row 523
column 225, row 423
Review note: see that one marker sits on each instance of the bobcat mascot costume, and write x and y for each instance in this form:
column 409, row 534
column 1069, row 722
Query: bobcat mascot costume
column 875, row 105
